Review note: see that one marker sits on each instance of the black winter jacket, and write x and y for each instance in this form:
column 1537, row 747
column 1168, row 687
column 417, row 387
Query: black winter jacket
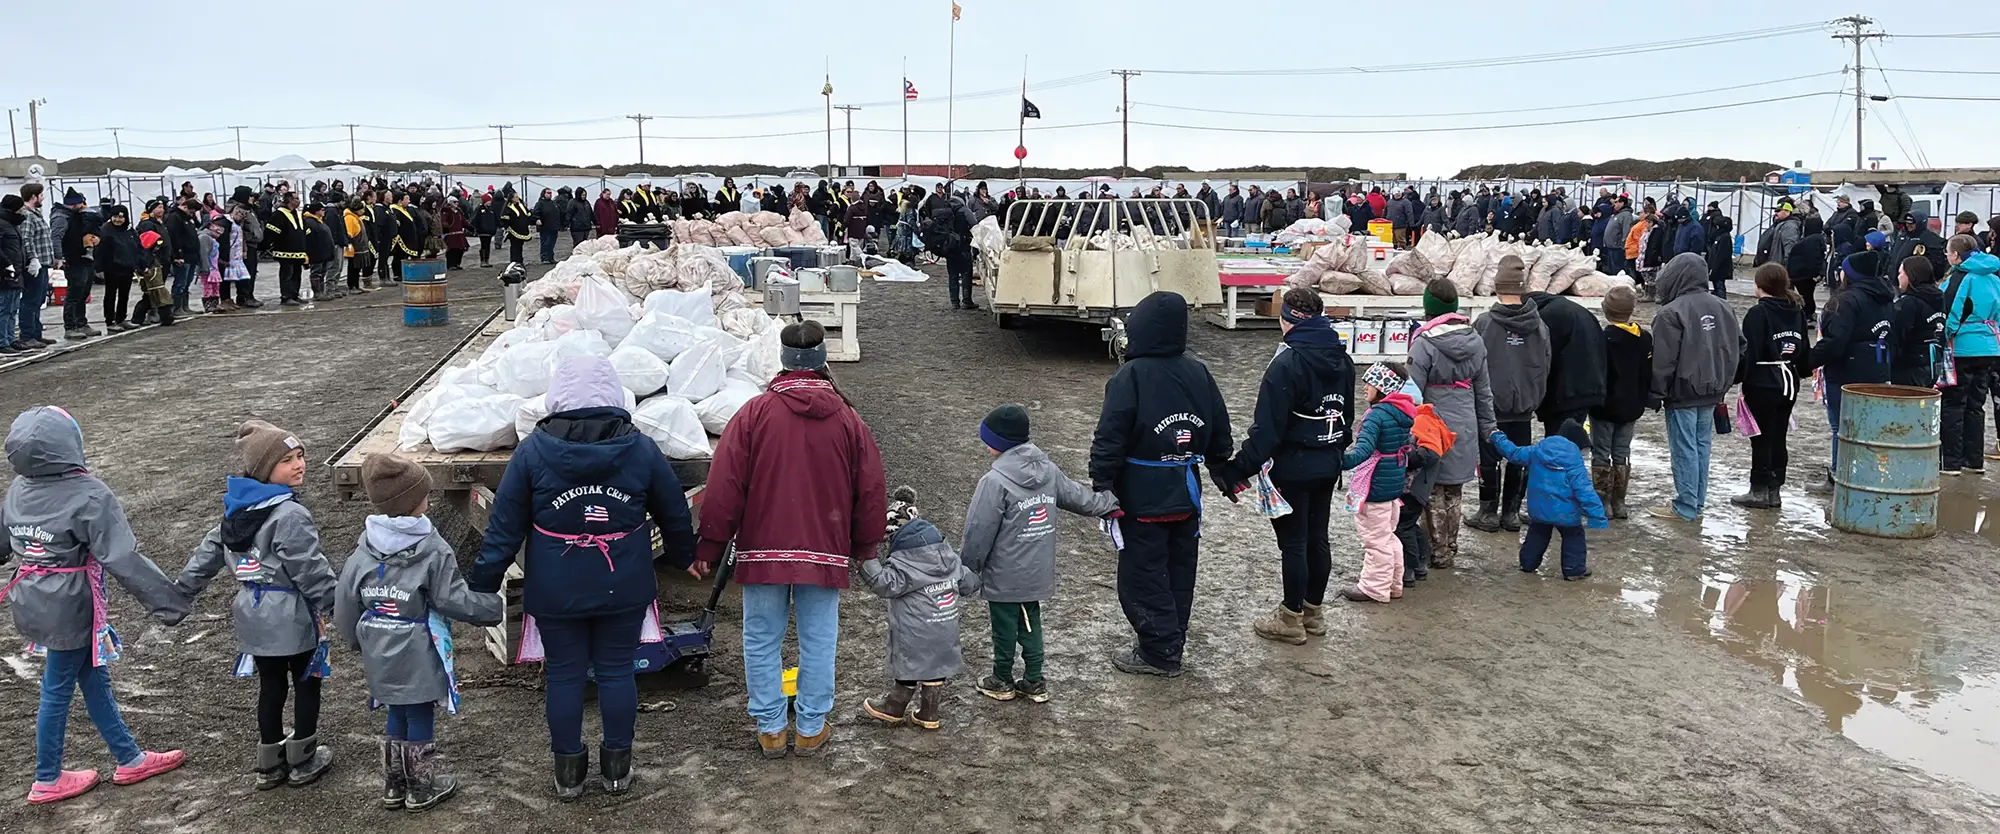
column 13, row 255
column 1854, row 333
column 320, row 244
column 1628, row 375
column 79, row 223
column 1807, row 260
column 118, row 248
column 1162, row 408
column 1576, row 356
column 582, row 215
column 1305, row 410
column 548, row 215
column 1774, row 348
column 486, row 220
column 1915, row 333
column 182, row 233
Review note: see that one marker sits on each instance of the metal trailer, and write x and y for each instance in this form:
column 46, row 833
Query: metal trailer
column 1045, row 271
column 462, row 500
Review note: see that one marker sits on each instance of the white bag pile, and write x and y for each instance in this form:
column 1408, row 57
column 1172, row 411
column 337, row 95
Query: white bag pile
column 694, row 349
column 1313, row 228
column 762, row 228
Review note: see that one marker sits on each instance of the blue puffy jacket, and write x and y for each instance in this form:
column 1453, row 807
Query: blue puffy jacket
column 584, row 492
column 1385, row 430
column 1559, row 491
column 1975, row 309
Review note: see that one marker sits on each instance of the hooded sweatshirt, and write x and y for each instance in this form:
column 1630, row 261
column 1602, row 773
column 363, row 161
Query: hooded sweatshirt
column 1975, row 308
column 1916, row 335
column 797, row 482
column 585, row 491
column 1162, row 415
column 56, row 515
column 268, row 541
column 1854, row 328
column 1448, row 364
column 400, row 574
column 924, row 585
column 1697, row 340
column 1559, row 490
column 1576, row 355
column 1774, row 348
column 1304, row 409
column 1010, row 535
column 1517, row 358
column 1628, row 374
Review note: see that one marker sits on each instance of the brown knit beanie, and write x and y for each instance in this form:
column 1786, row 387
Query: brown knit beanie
column 262, row 446
column 1619, row 304
column 1513, row 277
column 395, row 485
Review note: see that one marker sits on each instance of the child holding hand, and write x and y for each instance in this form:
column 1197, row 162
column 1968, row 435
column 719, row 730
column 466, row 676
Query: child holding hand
column 1560, row 497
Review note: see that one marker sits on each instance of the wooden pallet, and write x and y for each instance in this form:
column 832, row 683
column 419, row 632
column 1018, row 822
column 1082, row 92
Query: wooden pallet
column 838, row 312
column 449, row 470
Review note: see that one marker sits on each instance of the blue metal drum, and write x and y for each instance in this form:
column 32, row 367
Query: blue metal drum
column 1886, row 483
column 419, row 272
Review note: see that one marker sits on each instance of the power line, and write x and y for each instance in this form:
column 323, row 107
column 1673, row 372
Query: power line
column 1957, row 35
column 1937, row 71
column 1519, row 60
column 1469, row 128
column 1952, row 98
column 1922, row 159
column 1493, row 112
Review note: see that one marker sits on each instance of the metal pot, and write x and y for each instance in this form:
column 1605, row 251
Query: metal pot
column 781, row 298
column 811, row 281
column 759, row 267
column 843, row 278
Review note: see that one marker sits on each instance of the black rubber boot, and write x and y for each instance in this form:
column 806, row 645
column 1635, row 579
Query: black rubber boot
column 616, row 768
column 426, row 786
column 307, row 759
column 1510, row 498
column 570, row 770
column 1488, row 519
column 393, row 790
column 893, row 707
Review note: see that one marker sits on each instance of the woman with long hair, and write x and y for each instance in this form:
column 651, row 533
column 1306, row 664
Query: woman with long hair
column 1773, row 364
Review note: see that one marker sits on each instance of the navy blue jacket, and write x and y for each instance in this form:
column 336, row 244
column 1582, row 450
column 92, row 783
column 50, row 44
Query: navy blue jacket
column 1305, row 409
column 1854, row 343
column 1162, row 407
column 586, row 471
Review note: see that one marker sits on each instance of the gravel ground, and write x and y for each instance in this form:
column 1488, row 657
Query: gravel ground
column 1748, row 673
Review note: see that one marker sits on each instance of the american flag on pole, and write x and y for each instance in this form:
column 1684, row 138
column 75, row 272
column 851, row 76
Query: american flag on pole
column 909, row 90
column 596, row 514
column 955, row 11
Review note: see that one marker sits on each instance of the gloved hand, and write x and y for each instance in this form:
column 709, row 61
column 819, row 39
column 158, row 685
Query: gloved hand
column 34, row 266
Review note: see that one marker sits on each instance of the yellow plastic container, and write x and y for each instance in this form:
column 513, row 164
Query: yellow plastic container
column 1383, row 231
column 792, row 682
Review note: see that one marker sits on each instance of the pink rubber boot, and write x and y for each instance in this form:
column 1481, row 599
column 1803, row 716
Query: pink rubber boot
column 71, row 783
column 150, row 765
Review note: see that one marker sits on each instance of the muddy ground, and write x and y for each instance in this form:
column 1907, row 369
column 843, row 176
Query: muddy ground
column 1749, row 673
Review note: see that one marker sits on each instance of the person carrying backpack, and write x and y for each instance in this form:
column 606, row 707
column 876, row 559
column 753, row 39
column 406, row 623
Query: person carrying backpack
column 947, row 231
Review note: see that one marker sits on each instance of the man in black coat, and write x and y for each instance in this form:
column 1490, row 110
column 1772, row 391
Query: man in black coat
column 1913, row 240
column 186, row 240
column 1163, row 416
column 582, row 217
column 1576, row 361
column 549, row 221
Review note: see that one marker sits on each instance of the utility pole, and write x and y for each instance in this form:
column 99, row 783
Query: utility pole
column 641, row 119
column 849, row 110
column 1857, row 32
column 350, row 142
column 503, row 141
column 1125, row 116
column 116, row 146
column 10, row 130
column 35, row 123
column 239, row 139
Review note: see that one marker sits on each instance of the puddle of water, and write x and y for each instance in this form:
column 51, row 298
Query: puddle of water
column 1961, row 513
column 1880, row 677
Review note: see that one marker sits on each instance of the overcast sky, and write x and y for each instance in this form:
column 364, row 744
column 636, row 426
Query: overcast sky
column 699, row 68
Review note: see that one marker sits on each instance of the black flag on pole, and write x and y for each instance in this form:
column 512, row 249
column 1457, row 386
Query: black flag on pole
column 1029, row 110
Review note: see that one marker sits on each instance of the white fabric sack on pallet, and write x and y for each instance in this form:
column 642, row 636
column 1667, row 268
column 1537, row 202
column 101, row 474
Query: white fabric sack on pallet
column 696, row 306
column 672, row 424
column 605, row 309
column 1340, row 283
column 1597, row 284
column 1580, row 266
column 1474, row 266
column 601, row 243
column 480, row 424
column 575, row 343
column 1437, row 249
column 416, row 422
column 745, row 322
column 1549, row 262
column 728, row 348
column 697, row 372
column 536, row 409
column 639, row 370
column 524, row 370
column 716, row 411
column 1412, row 265
column 662, row 334
column 761, row 359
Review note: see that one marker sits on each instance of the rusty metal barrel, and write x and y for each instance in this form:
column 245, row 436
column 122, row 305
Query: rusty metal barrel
column 1886, row 478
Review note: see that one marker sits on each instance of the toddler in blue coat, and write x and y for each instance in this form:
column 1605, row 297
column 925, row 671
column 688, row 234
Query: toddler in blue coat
column 1560, row 497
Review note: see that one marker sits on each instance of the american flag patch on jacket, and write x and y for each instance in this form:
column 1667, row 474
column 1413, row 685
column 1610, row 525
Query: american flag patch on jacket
column 1184, row 437
column 596, row 514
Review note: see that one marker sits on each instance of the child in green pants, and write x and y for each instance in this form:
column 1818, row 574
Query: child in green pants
column 1010, row 541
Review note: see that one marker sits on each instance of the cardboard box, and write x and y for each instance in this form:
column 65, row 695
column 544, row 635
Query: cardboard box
column 1268, row 306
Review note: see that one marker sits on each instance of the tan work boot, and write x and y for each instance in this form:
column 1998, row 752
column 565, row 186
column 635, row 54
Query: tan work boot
column 1314, row 619
column 1284, row 625
column 772, row 745
column 806, row 747
column 1601, row 480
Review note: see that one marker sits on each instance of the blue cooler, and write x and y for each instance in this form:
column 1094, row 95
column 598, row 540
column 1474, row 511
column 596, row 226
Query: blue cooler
column 802, row 257
column 739, row 259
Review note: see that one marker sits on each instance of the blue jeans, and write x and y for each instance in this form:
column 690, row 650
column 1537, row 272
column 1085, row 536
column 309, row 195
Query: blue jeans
column 577, row 648
column 34, row 296
column 64, row 672
column 413, row 722
column 766, row 608
column 10, row 301
column 1537, row 543
column 548, row 245
column 183, row 278
column 1690, row 434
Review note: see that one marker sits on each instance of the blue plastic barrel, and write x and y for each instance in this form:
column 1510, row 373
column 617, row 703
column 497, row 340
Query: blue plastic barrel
column 1886, row 481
